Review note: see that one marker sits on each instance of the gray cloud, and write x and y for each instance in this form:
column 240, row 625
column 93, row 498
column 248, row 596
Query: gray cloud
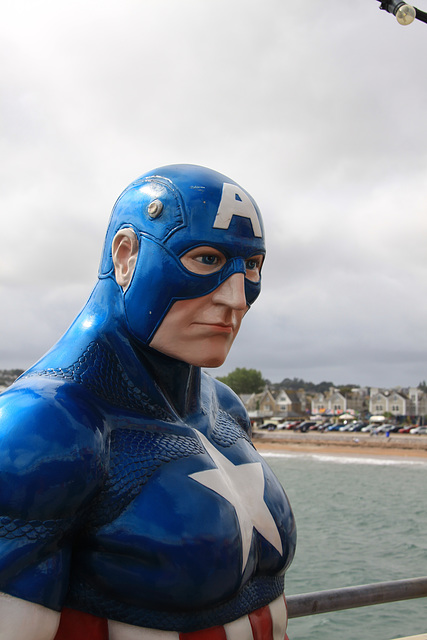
column 318, row 110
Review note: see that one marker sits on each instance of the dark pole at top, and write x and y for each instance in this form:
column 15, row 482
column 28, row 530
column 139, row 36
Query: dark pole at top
column 405, row 13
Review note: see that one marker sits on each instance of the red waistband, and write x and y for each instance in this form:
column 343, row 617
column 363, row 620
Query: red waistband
column 75, row 625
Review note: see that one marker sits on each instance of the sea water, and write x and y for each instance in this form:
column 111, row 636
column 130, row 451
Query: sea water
column 359, row 521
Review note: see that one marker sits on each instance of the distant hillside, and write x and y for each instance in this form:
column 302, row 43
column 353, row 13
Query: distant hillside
column 7, row 376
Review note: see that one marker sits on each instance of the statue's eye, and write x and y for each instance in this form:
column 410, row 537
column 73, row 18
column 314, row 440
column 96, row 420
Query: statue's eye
column 253, row 267
column 208, row 259
column 203, row 260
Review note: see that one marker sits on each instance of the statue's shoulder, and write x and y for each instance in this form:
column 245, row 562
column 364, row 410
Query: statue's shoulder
column 47, row 406
column 52, row 444
column 228, row 401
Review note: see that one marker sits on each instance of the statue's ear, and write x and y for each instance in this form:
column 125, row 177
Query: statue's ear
column 125, row 252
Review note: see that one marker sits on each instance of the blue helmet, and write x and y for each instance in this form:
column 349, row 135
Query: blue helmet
column 174, row 209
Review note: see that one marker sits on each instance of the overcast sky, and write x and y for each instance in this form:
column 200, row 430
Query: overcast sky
column 318, row 109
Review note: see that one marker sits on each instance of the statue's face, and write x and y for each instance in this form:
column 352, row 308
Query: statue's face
column 196, row 230
column 201, row 330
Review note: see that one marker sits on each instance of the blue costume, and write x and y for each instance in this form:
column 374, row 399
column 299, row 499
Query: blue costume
column 130, row 488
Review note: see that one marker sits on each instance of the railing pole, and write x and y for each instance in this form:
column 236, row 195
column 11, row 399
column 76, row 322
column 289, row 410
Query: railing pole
column 308, row 604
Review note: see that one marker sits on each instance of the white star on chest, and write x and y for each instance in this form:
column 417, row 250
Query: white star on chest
column 243, row 486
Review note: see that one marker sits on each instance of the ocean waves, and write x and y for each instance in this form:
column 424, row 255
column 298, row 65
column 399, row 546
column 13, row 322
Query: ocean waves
column 360, row 520
column 382, row 461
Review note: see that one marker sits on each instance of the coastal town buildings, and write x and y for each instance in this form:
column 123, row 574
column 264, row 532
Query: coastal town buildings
column 331, row 402
column 338, row 401
column 398, row 402
column 260, row 405
column 361, row 402
column 284, row 403
column 417, row 402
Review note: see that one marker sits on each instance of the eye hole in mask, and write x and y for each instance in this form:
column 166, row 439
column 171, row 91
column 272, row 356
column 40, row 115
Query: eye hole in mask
column 207, row 260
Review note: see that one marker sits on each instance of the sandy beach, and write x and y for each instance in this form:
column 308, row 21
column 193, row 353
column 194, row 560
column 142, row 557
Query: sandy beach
column 400, row 446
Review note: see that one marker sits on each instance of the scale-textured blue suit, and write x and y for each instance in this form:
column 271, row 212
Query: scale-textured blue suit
column 130, row 489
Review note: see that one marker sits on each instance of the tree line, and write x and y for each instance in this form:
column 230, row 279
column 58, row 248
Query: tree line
column 243, row 380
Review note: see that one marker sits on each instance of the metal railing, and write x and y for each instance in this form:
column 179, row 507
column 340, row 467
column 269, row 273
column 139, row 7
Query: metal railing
column 308, row 604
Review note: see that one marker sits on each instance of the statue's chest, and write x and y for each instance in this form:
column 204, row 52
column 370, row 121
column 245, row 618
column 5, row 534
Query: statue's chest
column 184, row 520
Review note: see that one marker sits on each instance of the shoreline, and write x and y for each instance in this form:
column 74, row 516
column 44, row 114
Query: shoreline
column 342, row 444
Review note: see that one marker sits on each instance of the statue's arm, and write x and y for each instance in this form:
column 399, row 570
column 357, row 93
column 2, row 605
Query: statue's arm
column 22, row 619
column 51, row 467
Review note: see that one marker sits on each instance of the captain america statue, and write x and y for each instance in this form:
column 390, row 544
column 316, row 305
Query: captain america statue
column 133, row 504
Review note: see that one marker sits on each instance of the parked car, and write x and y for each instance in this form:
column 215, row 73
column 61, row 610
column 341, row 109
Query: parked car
column 304, row 426
column 384, row 428
column 293, row 424
column 406, row 429
column 325, row 426
column 358, row 425
column 283, row 425
column 419, row 430
column 395, row 428
column 333, row 427
column 270, row 426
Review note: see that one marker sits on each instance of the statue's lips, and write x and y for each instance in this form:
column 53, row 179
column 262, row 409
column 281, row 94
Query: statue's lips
column 215, row 327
